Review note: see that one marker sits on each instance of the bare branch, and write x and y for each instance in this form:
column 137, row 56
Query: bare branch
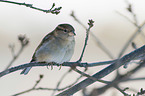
column 131, row 39
column 51, row 10
column 31, row 89
column 24, row 42
column 49, row 89
column 118, row 79
column 99, row 43
column 125, row 17
column 12, row 48
column 34, row 64
column 136, row 54
column 130, row 9
column 141, row 92
column 86, row 75
column 102, row 81
column 135, row 79
column 60, row 81
column 70, row 84
column 139, row 27
column 86, row 40
column 124, row 60
column 122, row 91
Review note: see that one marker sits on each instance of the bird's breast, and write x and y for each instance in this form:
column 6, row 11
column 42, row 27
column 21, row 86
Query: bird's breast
column 55, row 51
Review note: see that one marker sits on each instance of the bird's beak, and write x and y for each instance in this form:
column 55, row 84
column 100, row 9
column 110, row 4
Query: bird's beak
column 72, row 33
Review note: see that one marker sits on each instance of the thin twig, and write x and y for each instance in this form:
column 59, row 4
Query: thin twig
column 130, row 10
column 58, row 84
column 104, row 72
column 12, row 48
column 60, row 81
column 102, row 81
column 135, row 23
column 98, row 42
column 15, row 57
column 134, row 79
column 141, row 92
column 38, row 81
column 24, row 42
column 31, row 89
column 46, row 89
column 51, row 10
column 122, row 91
column 131, row 39
column 49, row 89
column 86, row 40
column 139, row 27
column 87, row 75
column 125, row 17
column 119, row 79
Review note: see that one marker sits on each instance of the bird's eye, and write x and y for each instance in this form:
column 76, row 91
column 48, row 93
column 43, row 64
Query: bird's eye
column 65, row 30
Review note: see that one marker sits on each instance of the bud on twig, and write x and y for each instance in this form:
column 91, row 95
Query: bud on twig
column 23, row 39
column 91, row 23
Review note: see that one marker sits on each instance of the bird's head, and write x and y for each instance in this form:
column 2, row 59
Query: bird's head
column 64, row 31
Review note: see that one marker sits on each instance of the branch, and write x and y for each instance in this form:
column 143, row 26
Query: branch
column 135, row 23
column 24, row 42
column 68, row 64
column 60, row 81
column 141, row 92
column 136, row 54
column 99, row 43
column 118, row 79
column 95, row 92
column 86, row 40
column 130, row 9
column 31, row 89
column 125, row 17
column 90, row 77
column 131, row 38
column 49, row 89
column 51, row 10
column 135, row 79
column 124, row 60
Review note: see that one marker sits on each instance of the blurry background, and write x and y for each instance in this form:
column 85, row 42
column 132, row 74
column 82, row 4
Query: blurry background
column 112, row 29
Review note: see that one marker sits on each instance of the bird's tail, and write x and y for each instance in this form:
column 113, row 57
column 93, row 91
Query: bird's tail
column 26, row 70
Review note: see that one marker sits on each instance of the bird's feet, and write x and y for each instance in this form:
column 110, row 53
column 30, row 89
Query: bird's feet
column 51, row 64
column 60, row 66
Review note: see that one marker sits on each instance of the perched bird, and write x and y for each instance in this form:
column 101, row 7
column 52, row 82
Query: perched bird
column 57, row 46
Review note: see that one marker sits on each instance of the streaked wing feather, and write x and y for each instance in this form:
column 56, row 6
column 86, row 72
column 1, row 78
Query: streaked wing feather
column 45, row 39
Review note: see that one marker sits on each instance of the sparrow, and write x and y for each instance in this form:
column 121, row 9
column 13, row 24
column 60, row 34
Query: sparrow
column 57, row 46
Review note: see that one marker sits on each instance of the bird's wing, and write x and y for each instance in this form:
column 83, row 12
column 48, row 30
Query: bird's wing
column 47, row 38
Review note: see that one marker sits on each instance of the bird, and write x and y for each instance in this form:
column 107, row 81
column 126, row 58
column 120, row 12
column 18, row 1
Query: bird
column 57, row 46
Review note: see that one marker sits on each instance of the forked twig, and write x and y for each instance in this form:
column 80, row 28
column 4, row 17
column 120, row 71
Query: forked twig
column 98, row 42
column 31, row 89
column 24, row 42
column 99, row 80
column 102, row 73
column 86, row 40
column 60, row 81
column 135, row 22
column 51, row 10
